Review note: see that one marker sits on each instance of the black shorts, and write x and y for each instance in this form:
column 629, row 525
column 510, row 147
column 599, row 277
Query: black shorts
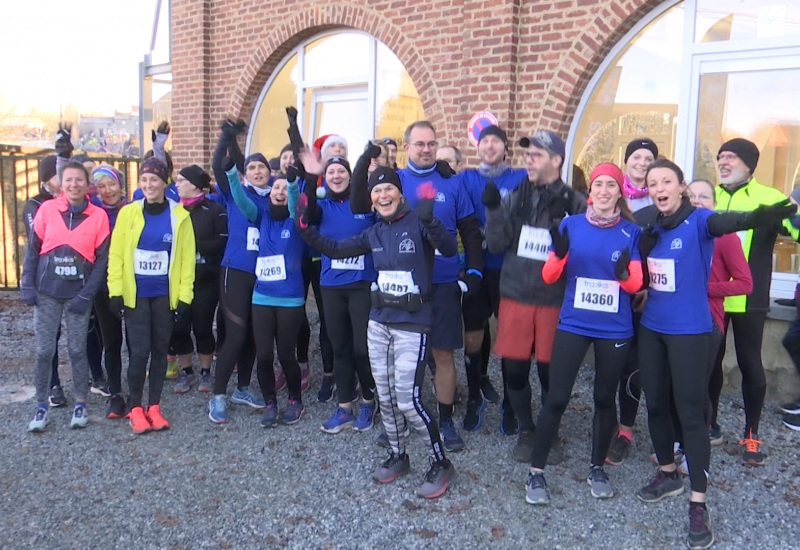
column 447, row 330
column 478, row 309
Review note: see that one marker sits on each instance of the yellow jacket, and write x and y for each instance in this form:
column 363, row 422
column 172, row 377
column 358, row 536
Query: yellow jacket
column 125, row 238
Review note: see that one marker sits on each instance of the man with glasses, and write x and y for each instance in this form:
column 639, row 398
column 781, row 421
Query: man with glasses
column 518, row 226
column 454, row 209
column 452, row 156
column 738, row 190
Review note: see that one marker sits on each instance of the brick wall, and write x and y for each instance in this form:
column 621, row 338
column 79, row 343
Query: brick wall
column 528, row 61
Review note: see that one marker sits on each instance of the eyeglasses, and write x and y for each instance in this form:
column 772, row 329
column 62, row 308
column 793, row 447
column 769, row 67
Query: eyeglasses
column 727, row 157
column 420, row 145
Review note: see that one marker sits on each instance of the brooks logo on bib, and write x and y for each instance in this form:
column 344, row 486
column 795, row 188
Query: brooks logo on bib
column 662, row 274
column 356, row 263
column 271, row 268
column 150, row 262
column 68, row 268
column 252, row 238
column 596, row 295
column 396, row 283
column 534, row 243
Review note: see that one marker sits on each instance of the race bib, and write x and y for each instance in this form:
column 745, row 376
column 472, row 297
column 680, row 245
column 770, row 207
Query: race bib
column 252, row 238
column 662, row 274
column 596, row 295
column 396, row 283
column 66, row 268
column 271, row 268
column 356, row 263
column 534, row 243
column 150, row 262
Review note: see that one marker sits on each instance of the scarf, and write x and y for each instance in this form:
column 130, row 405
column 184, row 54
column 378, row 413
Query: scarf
column 418, row 170
column 672, row 221
column 278, row 212
column 598, row 220
column 123, row 200
column 492, row 171
column 402, row 210
column 262, row 192
column 630, row 191
column 191, row 202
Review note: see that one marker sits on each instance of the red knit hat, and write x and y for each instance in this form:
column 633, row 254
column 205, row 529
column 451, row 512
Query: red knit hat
column 606, row 169
column 319, row 142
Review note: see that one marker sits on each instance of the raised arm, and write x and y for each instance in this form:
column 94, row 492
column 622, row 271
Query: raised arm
column 243, row 202
column 359, row 194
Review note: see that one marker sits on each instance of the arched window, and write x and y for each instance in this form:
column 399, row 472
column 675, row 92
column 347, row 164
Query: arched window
column 344, row 82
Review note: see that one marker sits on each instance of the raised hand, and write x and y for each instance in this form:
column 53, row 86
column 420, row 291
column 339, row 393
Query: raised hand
column 491, row 196
column 425, row 194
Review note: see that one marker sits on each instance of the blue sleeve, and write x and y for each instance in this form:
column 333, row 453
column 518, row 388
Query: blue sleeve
column 292, row 194
column 245, row 203
column 137, row 194
column 463, row 202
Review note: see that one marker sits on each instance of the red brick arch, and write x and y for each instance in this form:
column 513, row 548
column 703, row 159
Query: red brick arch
column 314, row 20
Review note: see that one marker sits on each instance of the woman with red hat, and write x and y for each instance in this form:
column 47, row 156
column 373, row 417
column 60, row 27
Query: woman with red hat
column 598, row 253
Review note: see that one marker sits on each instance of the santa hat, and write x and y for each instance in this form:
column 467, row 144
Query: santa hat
column 331, row 139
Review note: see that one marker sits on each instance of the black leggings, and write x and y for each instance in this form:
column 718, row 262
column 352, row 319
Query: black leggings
column 149, row 327
column 111, row 331
column 677, row 364
column 311, row 274
column 281, row 325
column 568, row 352
column 748, row 332
column 236, row 296
column 630, row 388
column 716, row 377
column 348, row 315
column 204, row 304
column 519, row 388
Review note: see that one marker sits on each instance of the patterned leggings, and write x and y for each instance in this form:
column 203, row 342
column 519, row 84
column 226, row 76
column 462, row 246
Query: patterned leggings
column 397, row 358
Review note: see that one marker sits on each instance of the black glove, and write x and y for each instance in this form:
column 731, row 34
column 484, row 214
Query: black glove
column 291, row 114
column 28, row 295
column 473, row 284
column 555, row 206
column 560, row 242
column 116, row 305
column 300, row 212
column 292, row 173
column 766, row 215
column 79, row 305
column 444, row 169
column 231, row 129
column 425, row 195
column 182, row 316
column 621, row 265
column 162, row 129
column 647, row 242
column 63, row 146
column 372, row 151
column 227, row 163
column 491, row 196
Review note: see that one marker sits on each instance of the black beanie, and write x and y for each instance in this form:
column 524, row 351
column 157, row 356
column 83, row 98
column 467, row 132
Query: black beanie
column 287, row 147
column 196, row 176
column 643, row 143
column 384, row 174
column 744, row 149
column 256, row 157
column 339, row 160
column 47, row 168
column 494, row 131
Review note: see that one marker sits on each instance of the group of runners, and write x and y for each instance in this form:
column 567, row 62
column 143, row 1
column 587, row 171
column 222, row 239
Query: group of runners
column 408, row 265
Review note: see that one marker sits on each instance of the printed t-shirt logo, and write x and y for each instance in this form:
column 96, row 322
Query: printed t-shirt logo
column 167, row 237
column 439, row 197
column 407, row 246
column 676, row 244
column 285, row 234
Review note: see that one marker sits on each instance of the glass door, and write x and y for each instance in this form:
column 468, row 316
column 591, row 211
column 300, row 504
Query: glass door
column 337, row 111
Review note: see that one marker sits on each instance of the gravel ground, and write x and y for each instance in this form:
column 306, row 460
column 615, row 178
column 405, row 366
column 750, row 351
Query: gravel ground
column 199, row 485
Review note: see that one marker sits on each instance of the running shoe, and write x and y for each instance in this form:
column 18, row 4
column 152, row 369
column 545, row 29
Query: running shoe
column 138, row 421
column 365, row 418
column 536, row 488
column 57, row 397
column 700, row 535
column 294, row 410
column 598, row 481
column 172, row 367
column 619, row 450
column 116, row 407
column 327, row 388
column 218, row 409
column 791, row 421
column 791, row 407
column 205, row 381
column 437, row 479
column 751, row 455
column 715, row 435
column 305, row 376
column 508, row 421
column 473, row 417
column 556, row 454
column 156, row 419
column 392, row 468
column 270, row 417
column 243, row 396
column 660, row 486
column 339, row 420
column 80, row 417
column 100, row 387
column 489, row 393
column 185, row 381
column 450, row 439
column 39, row 422
column 523, row 450
column 280, row 380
